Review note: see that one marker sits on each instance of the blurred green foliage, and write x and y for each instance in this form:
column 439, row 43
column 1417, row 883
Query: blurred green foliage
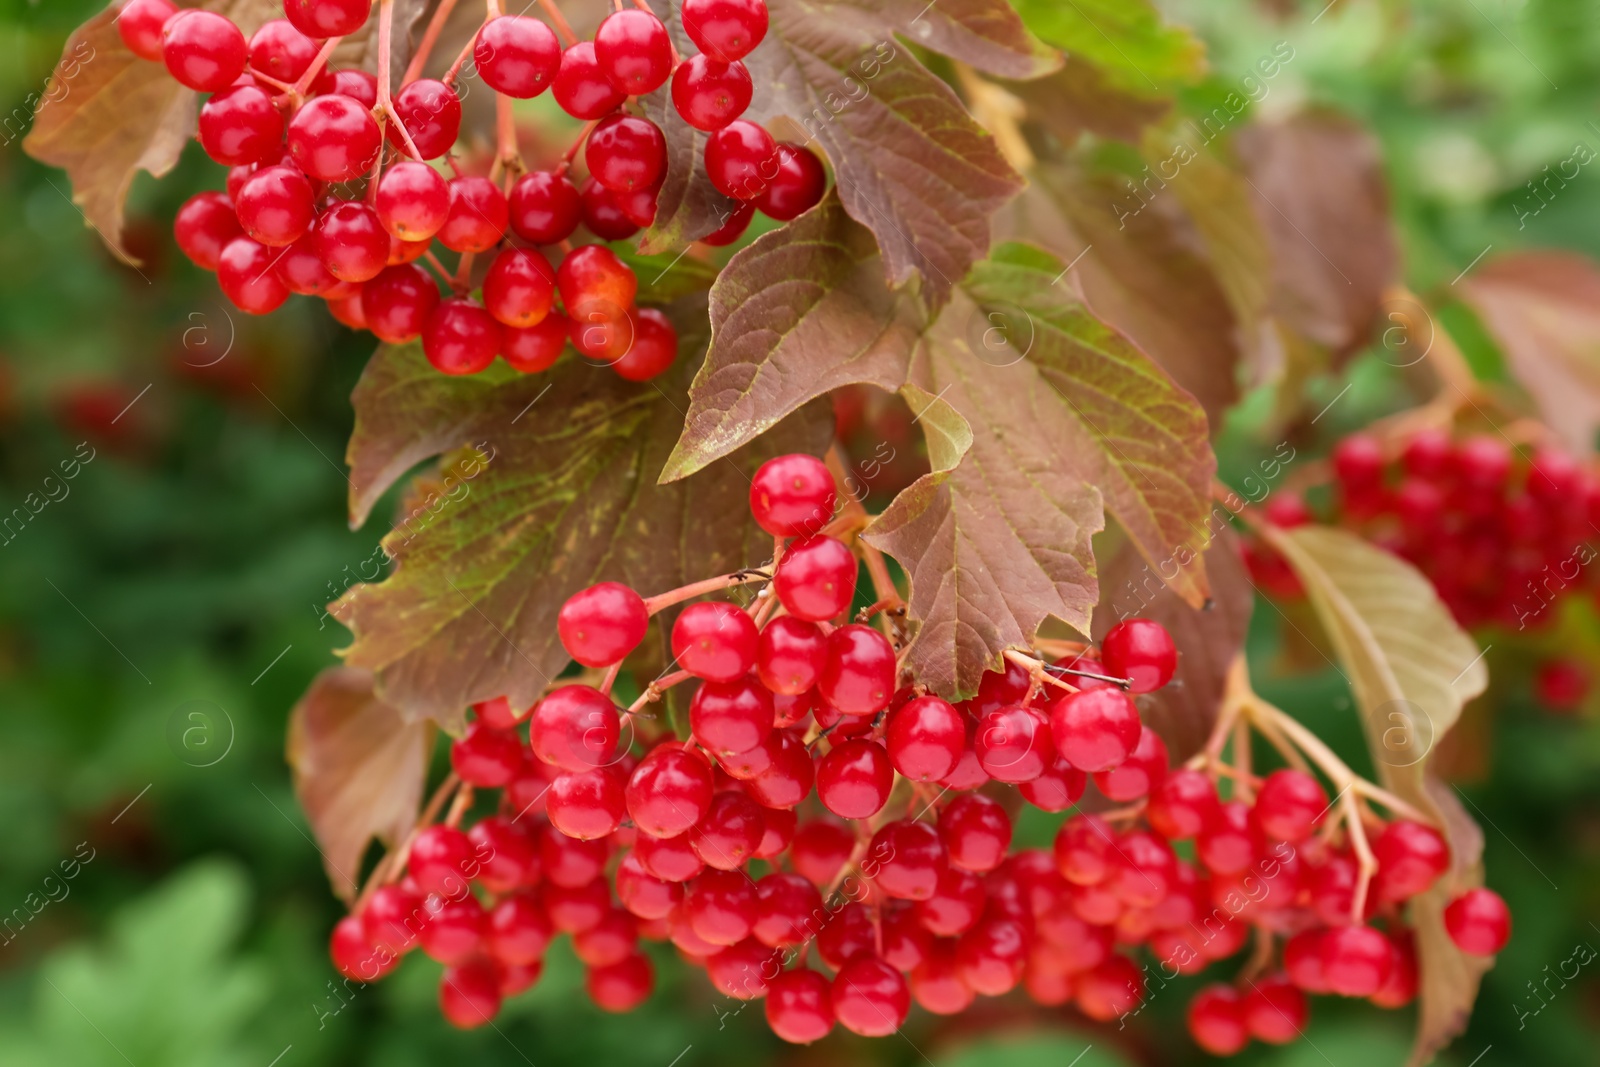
column 189, row 560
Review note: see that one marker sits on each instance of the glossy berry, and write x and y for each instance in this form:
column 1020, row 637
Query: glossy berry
column 633, row 51
column 327, row 18
column 430, row 111
column 976, row 832
column 908, row 857
column 352, row 242
column 1182, row 805
column 734, row 226
column 204, row 51
column 244, row 271
column 334, row 138
column 792, row 496
column 519, row 288
column 1289, row 804
column 469, row 994
column 731, row 717
column 139, row 24
column 275, row 207
column 789, row 655
column 413, row 200
column 575, row 727
column 204, row 226
column 799, row 1006
column 602, row 213
column 721, row 906
column 1216, row 1020
column 1356, row 960
column 1095, row 729
column 442, row 860
column 588, row 805
column 282, row 52
column 726, row 30
column 1136, row 776
column 477, row 217
column 399, row 302
column 870, row 997
column 600, row 625
column 537, row 347
column 1410, row 857
column 1275, row 1010
column 796, row 184
column 925, row 738
column 654, row 348
column 709, row 94
column 601, row 337
column 1141, row 651
column 625, row 152
column 858, row 670
column 358, row 85
column 241, row 125
column 715, row 641
column 517, row 55
column 1014, row 744
column 854, row 778
column 595, row 284
column 740, row 159
column 670, row 791
column 1479, row 922
column 729, row 833
column 544, row 207
column 581, row 86
column 816, row 579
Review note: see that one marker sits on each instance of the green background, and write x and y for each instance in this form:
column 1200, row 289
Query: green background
column 185, row 570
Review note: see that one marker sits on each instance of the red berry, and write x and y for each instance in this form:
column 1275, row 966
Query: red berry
column 708, row 94
column 334, row 138
column 789, row 777
column 486, row 757
column 740, row 159
column 1401, row 986
column 1216, row 1020
column 204, row 51
column 1275, row 1010
column 1095, row 729
column 574, row 728
column 870, row 997
column 854, row 778
column 204, row 226
column 716, row 641
column 391, row 918
column 241, row 125
column 1289, row 804
column 603, row 623
column 816, row 579
column 399, row 302
column 1014, row 744
column 626, row 153
column 796, row 187
column 300, row 268
column 510, row 856
column 353, row 244
column 1141, row 651
column 720, row 906
column 1561, row 684
column 544, row 207
column 1182, row 805
column 1137, row 775
column 1057, row 789
column 536, row 348
column 1410, row 857
column 518, row 291
column 792, row 495
column 275, row 206
column 517, row 55
column 1358, row 462
column 727, row 837
column 1230, row 843
column 442, row 861
column 460, row 337
column 800, row 1006
column 654, row 348
column 573, row 910
column 139, row 24
column 789, row 655
column 726, row 30
column 588, row 805
column 925, row 738
column 956, row 904
column 670, row 791
column 353, row 955
column 358, row 85
column 788, row 908
column 937, row 985
column 642, row 893
column 469, row 994
column 327, row 18
column 976, row 832
column 282, row 52
column 1111, row 989
column 858, row 671
column 581, row 87
column 413, row 200
column 1084, row 850
column 595, row 284
column 430, row 111
column 670, row 858
column 731, row 717
column 1483, row 463
column 990, row 957
column 1479, row 922
column 734, row 226
column 603, row 213
column 453, row 930
column 601, row 337
column 477, row 218
column 621, row 986
column 633, row 51
column 1356, row 960
column 244, row 271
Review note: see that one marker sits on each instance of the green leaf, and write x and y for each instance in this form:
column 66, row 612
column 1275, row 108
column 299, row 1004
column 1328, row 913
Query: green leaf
column 568, row 497
column 948, row 435
column 835, row 68
column 1125, row 38
column 359, row 770
column 1411, row 669
column 801, row 311
column 667, row 277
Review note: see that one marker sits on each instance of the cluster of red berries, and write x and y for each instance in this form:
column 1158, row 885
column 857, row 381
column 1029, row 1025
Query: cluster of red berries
column 312, row 208
column 1503, row 538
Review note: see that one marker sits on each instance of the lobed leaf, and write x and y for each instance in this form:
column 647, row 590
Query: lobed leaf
column 1127, row 39
column 359, row 769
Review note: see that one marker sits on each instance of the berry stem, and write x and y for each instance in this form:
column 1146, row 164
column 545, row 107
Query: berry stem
column 388, row 868
column 321, row 61
column 1363, row 850
column 385, row 105
column 282, row 86
column 1037, row 671
column 510, row 156
column 572, row 152
column 710, row 585
column 610, row 678
column 460, row 61
column 559, row 20
column 882, row 584
column 430, row 37
column 459, row 806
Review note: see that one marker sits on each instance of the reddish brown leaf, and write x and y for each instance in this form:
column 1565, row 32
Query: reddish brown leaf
column 359, row 769
column 1080, row 98
column 1543, row 309
column 1319, row 193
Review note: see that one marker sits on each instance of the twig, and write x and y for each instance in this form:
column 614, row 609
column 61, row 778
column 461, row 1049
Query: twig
column 430, row 37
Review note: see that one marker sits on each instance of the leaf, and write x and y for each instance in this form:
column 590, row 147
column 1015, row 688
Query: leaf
column 987, row 34
column 109, row 114
column 1209, row 639
column 1081, row 98
column 1543, row 309
column 568, row 498
column 359, row 769
column 948, row 435
column 801, row 311
column 664, row 278
column 1319, row 193
column 909, row 162
column 1125, row 38
column 1411, row 669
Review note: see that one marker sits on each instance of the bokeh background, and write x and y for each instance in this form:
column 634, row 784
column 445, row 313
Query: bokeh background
column 161, row 614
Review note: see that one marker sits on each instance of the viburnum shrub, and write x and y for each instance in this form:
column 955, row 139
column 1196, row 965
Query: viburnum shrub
column 830, row 556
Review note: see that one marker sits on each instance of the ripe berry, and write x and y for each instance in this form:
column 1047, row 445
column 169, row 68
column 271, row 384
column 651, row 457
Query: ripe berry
column 858, row 671
column 241, row 125
column 1561, row 684
column 1401, row 987
column 796, row 187
column 633, row 51
column 1014, row 744
column 574, row 728
column 1095, row 729
column 621, row 986
column 734, row 226
column 726, row 30
column 358, row 85
column 816, row 579
column 581, row 87
column 577, row 908
column 716, row 641
column 729, row 833
column 976, row 832
column 509, row 854
column 789, row 655
column 413, row 200
column 670, row 791
column 602, row 624
column 1141, row 651
column 399, row 302
column 588, row 805
column 353, row 955
column 720, row 906
column 925, row 738
column 204, row 226
column 478, row 215
column 1216, row 1020
column 1083, row 849
column 327, row 18
column 1288, row 805
column 1230, row 843
column 282, row 52
column 730, row 717
column 792, row 496
column 431, row 112
column 788, row 780
column 275, row 206
column 709, row 94
column 453, row 930
column 352, row 242
column 518, row 291
column 1112, row 989
column 544, row 207
column 139, row 24
column 204, row 51
column 348, row 310
column 1482, row 463
column 603, row 214
column 300, row 268
column 1479, row 922
column 1275, row 1010
column 1184, row 802
column 442, row 860
column 333, row 138
column 244, row 271
column 1356, row 960
column 460, row 337
column 517, row 55
column 1410, row 857
column 854, row 778
column 870, row 997
column 594, row 282
column 740, row 159
column 469, row 994
column 1358, row 462
column 654, row 348
column 536, row 348
column 625, row 153
column 1060, row 786
column 486, row 757
column 799, row 1006
column 602, row 337
column 1137, row 775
